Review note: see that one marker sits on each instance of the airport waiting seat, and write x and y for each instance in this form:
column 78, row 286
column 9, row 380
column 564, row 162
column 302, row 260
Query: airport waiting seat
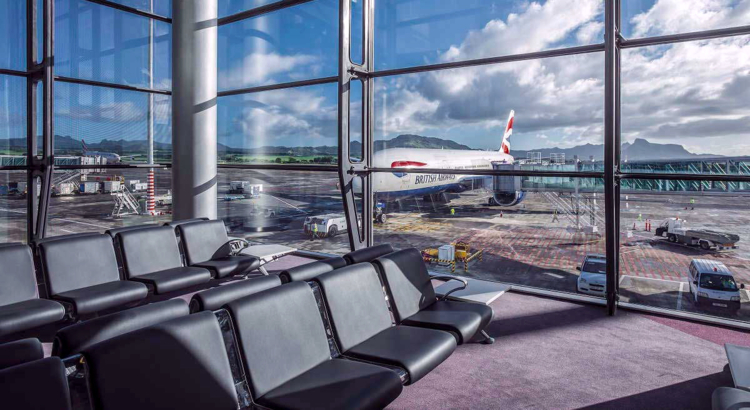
column 39, row 384
column 206, row 245
column 19, row 352
column 178, row 364
column 215, row 298
column 368, row 254
column 20, row 306
column 414, row 303
column 728, row 398
column 75, row 338
column 82, row 272
column 363, row 328
column 175, row 224
column 288, row 361
column 152, row 256
column 310, row 271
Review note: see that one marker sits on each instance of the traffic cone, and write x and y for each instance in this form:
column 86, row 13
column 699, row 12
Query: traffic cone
column 648, row 225
column 501, row 214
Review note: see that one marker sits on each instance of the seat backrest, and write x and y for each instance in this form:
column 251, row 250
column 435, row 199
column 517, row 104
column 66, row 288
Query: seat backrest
column 310, row 270
column 368, row 254
column 215, row 298
column 17, row 277
column 20, row 351
column 73, row 339
column 202, row 240
column 280, row 333
column 407, row 282
column 114, row 231
column 40, row 384
column 78, row 262
column 149, row 250
column 356, row 304
column 178, row 364
column 175, row 224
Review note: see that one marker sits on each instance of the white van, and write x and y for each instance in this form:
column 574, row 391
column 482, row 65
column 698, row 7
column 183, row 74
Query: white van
column 712, row 285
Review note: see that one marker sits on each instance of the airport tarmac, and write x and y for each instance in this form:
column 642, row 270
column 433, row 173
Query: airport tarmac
column 524, row 245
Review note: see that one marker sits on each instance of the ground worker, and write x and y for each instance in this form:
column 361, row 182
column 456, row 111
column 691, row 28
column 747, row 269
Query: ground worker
column 554, row 217
column 640, row 217
column 314, row 232
column 453, row 211
column 692, row 203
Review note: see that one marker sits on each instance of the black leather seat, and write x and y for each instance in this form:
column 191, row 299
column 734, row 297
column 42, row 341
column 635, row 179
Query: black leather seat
column 368, row 254
column 83, row 272
column 20, row 307
column 311, row 270
column 40, row 384
column 728, row 398
column 206, row 246
column 175, row 224
column 363, row 328
column 414, row 302
column 75, row 338
column 215, row 298
column 178, row 364
column 152, row 256
column 20, row 351
column 288, row 361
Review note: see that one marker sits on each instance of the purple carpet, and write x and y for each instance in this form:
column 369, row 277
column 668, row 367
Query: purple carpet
column 551, row 354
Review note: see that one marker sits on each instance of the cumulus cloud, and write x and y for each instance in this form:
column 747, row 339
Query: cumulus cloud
column 260, row 68
column 680, row 16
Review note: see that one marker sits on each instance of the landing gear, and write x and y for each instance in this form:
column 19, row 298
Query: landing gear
column 381, row 218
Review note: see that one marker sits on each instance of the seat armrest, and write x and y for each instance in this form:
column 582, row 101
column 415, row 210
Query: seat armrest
column 233, row 247
column 446, row 278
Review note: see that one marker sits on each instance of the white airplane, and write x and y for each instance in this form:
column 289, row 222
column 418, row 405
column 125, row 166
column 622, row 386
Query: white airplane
column 110, row 156
column 398, row 184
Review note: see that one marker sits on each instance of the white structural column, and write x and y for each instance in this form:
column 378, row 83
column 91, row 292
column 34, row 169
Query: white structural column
column 194, row 171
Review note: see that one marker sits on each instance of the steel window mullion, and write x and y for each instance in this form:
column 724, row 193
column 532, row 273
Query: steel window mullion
column 489, row 172
column 7, row 71
column 255, row 12
column 686, row 177
column 610, row 153
column 683, row 37
column 280, row 86
column 111, row 85
column 131, row 10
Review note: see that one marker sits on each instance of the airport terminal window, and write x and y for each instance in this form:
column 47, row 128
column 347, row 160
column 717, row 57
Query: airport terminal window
column 13, row 33
column 423, row 32
column 162, row 55
column 286, row 126
column 13, row 206
column 558, row 113
column 110, row 124
column 665, row 226
column 160, row 7
column 12, row 118
column 295, row 43
column 646, row 18
column 229, row 7
column 300, row 209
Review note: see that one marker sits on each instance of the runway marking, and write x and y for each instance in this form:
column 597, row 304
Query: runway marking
column 657, row 279
column 281, row 200
column 82, row 223
column 679, row 296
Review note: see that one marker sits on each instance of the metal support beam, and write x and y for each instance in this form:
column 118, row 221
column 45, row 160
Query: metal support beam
column 611, row 163
column 194, row 78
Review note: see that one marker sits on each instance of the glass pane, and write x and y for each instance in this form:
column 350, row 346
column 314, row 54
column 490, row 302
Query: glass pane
column 287, row 126
column 110, row 125
column 673, row 120
column 162, row 55
column 678, row 242
column 160, row 7
column 356, row 45
column 412, row 33
column 529, row 231
column 647, row 18
column 163, row 7
column 13, row 33
column 94, row 200
column 295, row 43
column 12, row 205
column 356, row 124
column 101, row 43
column 12, row 117
column 229, row 7
column 294, row 208
column 460, row 118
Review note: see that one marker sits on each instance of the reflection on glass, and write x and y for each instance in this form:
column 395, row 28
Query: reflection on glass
column 295, row 43
column 356, row 124
column 13, row 186
column 465, row 113
column 685, row 103
column 13, row 33
column 356, row 28
column 540, row 239
column 12, row 115
column 110, row 124
column 287, row 126
column 428, row 31
column 303, row 210
column 686, row 250
column 647, row 18
column 162, row 55
column 229, row 7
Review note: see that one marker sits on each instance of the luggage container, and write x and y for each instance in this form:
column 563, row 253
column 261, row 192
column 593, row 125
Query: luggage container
column 111, row 186
column 89, row 187
column 446, row 253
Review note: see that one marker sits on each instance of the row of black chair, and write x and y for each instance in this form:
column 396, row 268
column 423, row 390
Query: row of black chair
column 91, row 272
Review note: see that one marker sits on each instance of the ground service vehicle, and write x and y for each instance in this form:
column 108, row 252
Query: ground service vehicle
column 325, row 225
column 712, row 285
column 676, row 230
column 593, row 278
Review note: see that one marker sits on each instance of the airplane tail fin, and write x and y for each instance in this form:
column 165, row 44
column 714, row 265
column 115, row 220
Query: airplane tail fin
column 505, row 147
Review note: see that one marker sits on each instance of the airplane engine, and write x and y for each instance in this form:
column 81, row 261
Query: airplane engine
column 506, row 189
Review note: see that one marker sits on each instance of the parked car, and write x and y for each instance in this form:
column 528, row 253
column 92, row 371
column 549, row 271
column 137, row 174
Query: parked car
column 713, row 286
column 593, row 277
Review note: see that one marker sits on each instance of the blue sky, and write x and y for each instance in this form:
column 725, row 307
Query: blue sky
column 668, row 95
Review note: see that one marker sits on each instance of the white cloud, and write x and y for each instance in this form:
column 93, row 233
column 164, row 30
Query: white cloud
column 260, row 68
column 680, row 16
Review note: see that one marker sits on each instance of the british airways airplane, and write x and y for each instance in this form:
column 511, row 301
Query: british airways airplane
column 391, row 186
column 110, row 156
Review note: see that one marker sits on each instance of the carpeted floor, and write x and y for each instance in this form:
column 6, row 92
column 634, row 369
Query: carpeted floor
column 552, row 354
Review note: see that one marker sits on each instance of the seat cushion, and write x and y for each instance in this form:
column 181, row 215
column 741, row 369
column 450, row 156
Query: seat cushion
column 215, row 298
column 174, row 279
column 727, row 398
column 337, row 384
column 103, row 296
column 414, row 349
column 463, row 319
column 29, row 314
column 20, row 351
column 230, row 265
column 368, row 254
column 40, row 384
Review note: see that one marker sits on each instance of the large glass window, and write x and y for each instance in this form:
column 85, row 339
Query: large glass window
column 229, row 7
column 13, row 35
column 646, row 18
column 13, row 187
column 12, row 117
